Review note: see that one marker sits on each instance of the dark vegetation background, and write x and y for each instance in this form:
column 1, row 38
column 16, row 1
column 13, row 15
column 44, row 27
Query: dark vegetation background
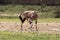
column 45, row 8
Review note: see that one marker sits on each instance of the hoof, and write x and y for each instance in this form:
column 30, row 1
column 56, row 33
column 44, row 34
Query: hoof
column 25, row 29
column 36, row 30
column 21, row 29
column 30, row 28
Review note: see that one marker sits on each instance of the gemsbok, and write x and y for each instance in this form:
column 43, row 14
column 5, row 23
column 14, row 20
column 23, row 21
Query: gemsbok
column 30, row 16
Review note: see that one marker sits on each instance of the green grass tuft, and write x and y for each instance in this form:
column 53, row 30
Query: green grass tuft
column 4, row 35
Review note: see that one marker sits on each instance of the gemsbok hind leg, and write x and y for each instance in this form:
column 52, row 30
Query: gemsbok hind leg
column 22, row 26
column 36, row 25
column 22, row 23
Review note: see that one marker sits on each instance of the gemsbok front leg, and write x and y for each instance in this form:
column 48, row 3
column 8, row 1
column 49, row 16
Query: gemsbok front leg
column 22, row 25
column 30, row 22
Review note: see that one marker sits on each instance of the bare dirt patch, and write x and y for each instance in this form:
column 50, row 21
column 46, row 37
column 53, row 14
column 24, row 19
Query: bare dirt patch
column 42, row 27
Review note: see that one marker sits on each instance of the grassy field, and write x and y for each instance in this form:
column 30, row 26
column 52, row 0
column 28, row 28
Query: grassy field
column 47, row 13
column 4, row 35
column 39, row 20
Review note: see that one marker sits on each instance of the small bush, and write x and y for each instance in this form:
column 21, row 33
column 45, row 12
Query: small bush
column 43, row 10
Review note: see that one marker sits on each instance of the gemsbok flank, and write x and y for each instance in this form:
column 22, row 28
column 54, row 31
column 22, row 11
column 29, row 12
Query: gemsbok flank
column 30, row 16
